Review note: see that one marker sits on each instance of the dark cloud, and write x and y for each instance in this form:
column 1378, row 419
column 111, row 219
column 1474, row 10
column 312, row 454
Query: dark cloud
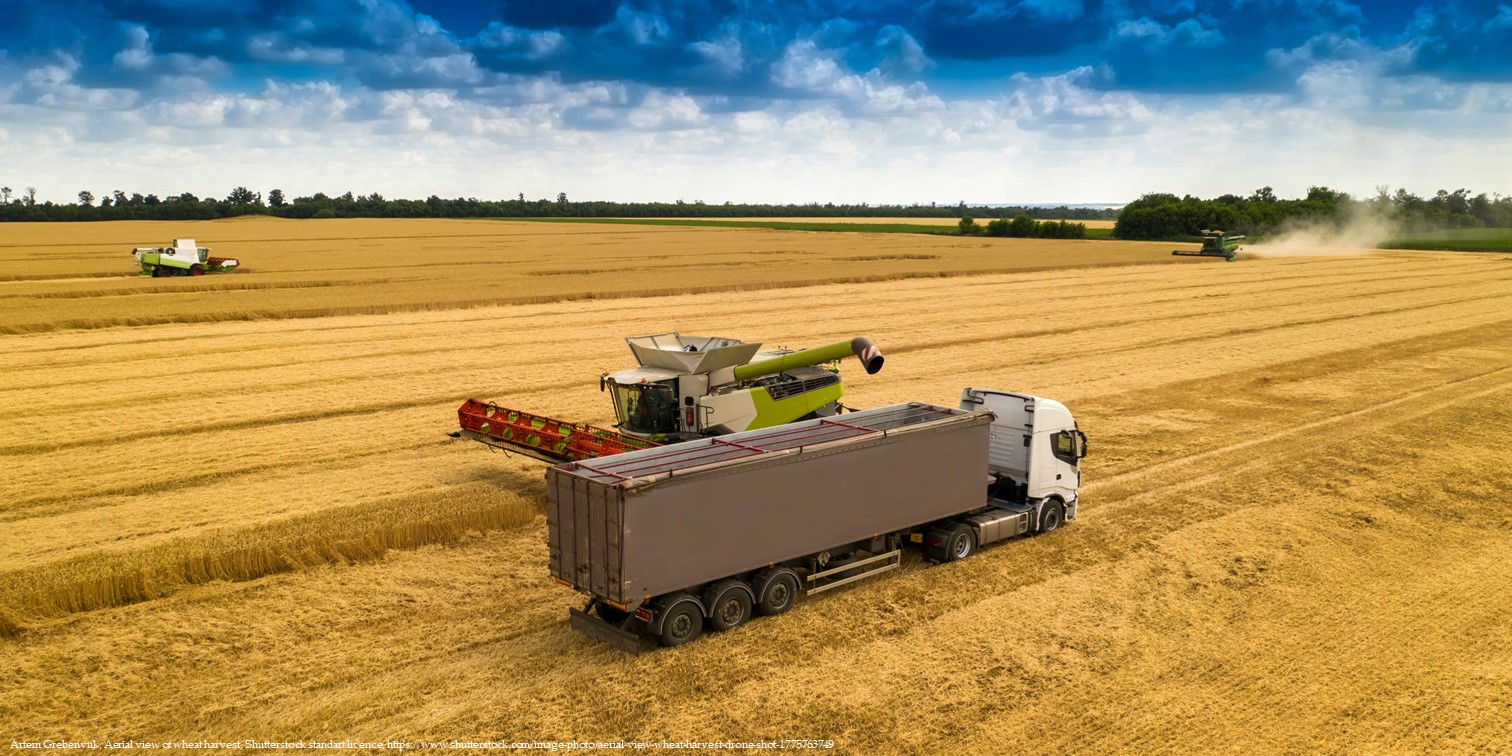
column 736, row 48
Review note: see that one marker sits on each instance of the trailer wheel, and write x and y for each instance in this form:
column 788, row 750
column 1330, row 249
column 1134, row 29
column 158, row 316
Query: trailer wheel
column 730, row 606
column 607, row 613
column 681, row 623
column 1051, row 517
column 960, row 542
column 781, row 590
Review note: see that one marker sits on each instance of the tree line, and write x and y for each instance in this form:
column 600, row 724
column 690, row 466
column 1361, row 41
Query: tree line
column 119, row 205
column 1166, row 216
column 1023, row 227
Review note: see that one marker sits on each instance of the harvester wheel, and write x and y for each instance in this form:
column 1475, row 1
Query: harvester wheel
column 157, row 272
column 682, row 622
column 730, row 607
column 610, row 614
column 781, row 590
column 196, row 270
column 1051, row 517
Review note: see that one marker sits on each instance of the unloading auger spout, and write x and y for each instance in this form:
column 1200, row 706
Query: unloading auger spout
column 862, row 347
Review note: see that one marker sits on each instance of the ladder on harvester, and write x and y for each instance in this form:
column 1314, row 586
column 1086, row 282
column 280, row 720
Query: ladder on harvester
column 541, row 437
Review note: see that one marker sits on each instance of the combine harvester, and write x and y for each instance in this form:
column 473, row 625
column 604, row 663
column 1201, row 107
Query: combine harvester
column 184, row 258
column 1214, row 244
column 687, row 387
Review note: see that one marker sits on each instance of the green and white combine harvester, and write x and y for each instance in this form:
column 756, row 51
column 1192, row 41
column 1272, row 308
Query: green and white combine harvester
column 686, row 387
column 1214, row 244
column 184, row 258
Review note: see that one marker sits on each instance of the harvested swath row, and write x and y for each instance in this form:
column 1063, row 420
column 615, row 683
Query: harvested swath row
column 342, row 535
column 214, row 287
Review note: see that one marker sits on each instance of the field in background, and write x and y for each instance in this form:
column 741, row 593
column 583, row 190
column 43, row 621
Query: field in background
column 57, row 276
column 1294, row 534
column 1462, row 239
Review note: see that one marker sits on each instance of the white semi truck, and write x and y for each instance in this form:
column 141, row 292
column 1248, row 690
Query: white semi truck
column 707, row 533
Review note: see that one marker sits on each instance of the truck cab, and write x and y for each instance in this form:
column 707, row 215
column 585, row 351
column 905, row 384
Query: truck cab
column 1035, row 449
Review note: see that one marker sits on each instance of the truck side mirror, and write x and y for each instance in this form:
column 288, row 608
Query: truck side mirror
column 1081, row 445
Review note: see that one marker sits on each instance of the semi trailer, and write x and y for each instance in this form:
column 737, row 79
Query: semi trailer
column 669, row 541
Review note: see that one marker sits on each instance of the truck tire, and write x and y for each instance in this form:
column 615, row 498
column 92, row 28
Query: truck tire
column 609, row 614
column 729, row 604
column 1051, row 517
column 779, row 591
column 682, row 621
column 960, row 542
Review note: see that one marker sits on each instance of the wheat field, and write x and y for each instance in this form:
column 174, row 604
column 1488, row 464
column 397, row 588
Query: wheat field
column 308, row 269
column 1294, row 534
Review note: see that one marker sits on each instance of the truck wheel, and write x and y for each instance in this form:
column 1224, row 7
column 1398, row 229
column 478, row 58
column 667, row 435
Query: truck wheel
column 960, row 543
column 609, row 614
column 1051, row 517
column 682, row 622
column 781, row 591
column 730, row 607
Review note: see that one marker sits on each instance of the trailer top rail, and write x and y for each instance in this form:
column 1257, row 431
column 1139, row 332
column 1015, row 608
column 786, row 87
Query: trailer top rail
column 681, row 458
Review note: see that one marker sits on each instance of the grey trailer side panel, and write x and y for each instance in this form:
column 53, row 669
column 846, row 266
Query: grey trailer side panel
column 686, row 531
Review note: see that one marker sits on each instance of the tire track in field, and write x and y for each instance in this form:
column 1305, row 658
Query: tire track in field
column 1436, row 393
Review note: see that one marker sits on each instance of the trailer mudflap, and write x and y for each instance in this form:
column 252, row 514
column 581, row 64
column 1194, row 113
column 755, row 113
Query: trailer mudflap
column 597, row 629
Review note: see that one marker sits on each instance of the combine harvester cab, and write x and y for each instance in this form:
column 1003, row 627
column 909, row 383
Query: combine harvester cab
column 686, row 387
column 184, row 258
column 1214, row 244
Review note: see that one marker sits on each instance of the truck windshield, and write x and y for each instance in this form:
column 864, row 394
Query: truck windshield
column 645, row 407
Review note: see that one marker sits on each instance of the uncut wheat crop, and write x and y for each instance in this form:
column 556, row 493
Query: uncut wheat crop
column 234, row 513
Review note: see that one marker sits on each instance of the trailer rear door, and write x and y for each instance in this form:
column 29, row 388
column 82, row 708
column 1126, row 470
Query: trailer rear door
column 584, row 522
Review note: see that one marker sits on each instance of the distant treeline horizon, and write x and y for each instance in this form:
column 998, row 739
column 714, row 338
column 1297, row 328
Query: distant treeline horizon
column 243, row 201
column 1166, row 216
column 1152, row 216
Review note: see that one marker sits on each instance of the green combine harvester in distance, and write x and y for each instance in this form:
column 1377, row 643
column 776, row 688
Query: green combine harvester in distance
column 184, row 258
column 1214, row 244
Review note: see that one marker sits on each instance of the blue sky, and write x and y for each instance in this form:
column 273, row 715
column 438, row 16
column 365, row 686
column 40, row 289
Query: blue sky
column 842, row 101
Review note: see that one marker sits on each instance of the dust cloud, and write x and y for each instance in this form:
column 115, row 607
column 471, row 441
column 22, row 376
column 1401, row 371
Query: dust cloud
column 1362, row 231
